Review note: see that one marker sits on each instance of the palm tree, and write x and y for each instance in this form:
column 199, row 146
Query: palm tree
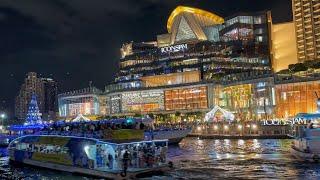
column 177, row 115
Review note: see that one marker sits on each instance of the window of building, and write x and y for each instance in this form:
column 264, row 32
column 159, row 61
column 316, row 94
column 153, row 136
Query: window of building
column 257, row 20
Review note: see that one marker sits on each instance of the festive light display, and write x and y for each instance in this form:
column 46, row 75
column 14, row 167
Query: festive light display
column 33, row 115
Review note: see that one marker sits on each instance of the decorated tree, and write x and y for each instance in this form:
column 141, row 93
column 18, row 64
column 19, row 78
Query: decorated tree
column 33, row 115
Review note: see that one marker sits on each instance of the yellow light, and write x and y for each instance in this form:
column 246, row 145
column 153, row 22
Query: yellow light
column 215, row 127
column 180, row 9
column 248, row 125
column 239, row 126
column 254, row 126
column 199, row 128
column 226, row 127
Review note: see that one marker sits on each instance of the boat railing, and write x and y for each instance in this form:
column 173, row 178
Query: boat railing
column 96, row 135
column 133, row 156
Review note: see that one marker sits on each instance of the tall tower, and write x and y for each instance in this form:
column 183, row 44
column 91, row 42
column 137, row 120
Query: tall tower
column 50, row 98
column 32, row 85
column 33, row 115
column 306, row 16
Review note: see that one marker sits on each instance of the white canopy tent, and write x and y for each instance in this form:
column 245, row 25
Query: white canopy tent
column 210, row 115
column 80, row 118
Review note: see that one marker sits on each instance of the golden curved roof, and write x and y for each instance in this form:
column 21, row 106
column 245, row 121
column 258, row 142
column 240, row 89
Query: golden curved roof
column 181, row 9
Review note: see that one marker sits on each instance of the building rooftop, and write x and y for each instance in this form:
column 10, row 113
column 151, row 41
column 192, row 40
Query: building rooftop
column 206, row 18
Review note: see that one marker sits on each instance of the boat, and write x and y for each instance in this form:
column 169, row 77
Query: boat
column 4, row 141
column 174, row 136
column 306, row 145
column 90, row 156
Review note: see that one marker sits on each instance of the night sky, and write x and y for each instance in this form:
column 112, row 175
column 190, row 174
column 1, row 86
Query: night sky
column 77, row 41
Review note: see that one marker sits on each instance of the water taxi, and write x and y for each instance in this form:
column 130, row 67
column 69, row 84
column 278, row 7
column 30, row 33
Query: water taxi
column 306, row 145
column 90, row 156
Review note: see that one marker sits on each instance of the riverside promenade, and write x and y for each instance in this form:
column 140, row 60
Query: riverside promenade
column 240, row 131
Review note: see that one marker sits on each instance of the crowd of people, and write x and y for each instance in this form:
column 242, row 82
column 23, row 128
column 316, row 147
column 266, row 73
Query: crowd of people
column 135, row 155
column 92, row 129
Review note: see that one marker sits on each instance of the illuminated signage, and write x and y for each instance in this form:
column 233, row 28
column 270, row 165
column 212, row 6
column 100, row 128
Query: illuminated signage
column 261, row 84
column 279, row 122
column 175, row 48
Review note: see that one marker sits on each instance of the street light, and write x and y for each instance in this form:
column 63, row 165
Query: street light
column 2, row 116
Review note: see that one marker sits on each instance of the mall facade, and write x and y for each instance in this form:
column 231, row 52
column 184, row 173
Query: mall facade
column 204, row 61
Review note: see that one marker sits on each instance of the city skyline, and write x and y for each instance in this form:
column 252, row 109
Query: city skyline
column 95, row 50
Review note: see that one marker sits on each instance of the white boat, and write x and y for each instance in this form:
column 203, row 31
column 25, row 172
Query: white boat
column 174, row 136
column 306, row 145
column 90, row 156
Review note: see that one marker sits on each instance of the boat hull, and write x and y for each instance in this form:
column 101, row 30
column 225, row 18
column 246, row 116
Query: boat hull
column 173, row 136
column 304, row 156
column 88, row 156
column 89, row 172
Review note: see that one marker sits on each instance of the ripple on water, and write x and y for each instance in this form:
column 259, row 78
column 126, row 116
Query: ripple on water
column 211, row 159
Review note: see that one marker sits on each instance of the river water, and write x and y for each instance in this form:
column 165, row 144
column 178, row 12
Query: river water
column 209, row 159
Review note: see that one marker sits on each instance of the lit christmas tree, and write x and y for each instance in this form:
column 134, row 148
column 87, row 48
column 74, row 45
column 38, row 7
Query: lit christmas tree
column 33, row 115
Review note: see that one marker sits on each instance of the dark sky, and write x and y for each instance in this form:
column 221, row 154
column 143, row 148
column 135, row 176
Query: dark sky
column 77, row 41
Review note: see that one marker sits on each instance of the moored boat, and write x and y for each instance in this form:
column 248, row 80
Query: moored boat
column 90, row 156
column 306, row 145
column 174, row 136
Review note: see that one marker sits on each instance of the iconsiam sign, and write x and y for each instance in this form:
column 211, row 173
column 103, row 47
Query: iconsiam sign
column 283, row 122
column 175, row 48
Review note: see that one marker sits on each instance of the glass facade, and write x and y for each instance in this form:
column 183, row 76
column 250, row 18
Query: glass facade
column 171, row 79
column 142, row 101
column 294, row 98
column 186, row 99
column 75, row 105
column 240, row 45
column 253, row 100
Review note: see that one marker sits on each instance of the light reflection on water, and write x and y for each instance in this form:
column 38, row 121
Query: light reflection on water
column 212, row 159
column 243, row 159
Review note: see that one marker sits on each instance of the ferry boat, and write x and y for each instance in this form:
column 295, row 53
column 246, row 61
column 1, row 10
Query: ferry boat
column 306, row 145
column 90, row 156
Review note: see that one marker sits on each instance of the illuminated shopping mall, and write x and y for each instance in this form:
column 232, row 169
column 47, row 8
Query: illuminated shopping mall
column 238, row 63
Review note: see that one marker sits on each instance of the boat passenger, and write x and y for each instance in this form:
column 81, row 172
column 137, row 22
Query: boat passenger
column 126, row 159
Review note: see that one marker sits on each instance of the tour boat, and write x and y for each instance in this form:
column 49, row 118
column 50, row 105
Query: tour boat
column 306, row 145
column 90, row 156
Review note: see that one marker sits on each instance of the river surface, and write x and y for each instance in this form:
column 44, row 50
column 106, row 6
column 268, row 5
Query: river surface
column 208, row 159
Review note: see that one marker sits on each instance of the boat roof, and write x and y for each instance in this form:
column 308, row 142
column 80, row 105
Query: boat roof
column 93, row 139
column 308, row 115
column 25, row 127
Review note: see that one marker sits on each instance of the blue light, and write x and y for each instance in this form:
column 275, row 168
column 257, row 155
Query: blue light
column 129, row 121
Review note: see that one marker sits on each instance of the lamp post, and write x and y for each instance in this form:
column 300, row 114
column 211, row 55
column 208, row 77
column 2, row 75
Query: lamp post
column 2, row 117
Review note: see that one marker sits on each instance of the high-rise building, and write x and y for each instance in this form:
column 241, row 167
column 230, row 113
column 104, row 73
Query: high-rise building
column 199, row 46
column 50, row 98
column 46, row 92
column 306, row 15
column 32, row 85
